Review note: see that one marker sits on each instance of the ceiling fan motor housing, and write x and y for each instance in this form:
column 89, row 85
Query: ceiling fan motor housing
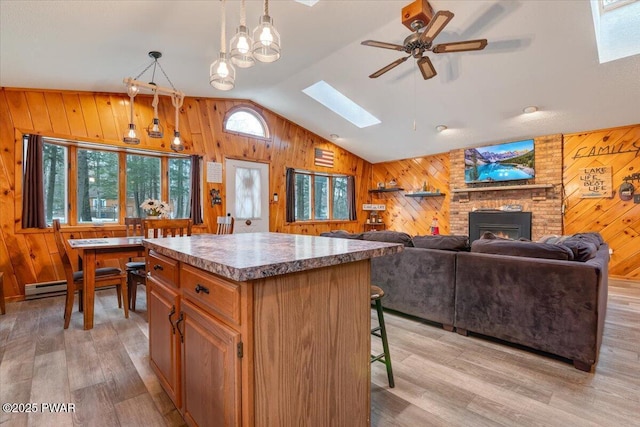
column 417, row 15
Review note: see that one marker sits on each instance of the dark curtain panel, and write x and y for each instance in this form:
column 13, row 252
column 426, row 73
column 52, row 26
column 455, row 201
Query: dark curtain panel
column 33, row 185
column 196, row 190
column 290, row 207
column 351, row 197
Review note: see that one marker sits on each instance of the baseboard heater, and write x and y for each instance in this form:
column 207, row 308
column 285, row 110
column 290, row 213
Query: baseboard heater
column 45, row 289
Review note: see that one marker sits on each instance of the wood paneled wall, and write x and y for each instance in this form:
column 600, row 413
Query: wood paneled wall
column 30, row 256
column 618, row 221
column 414, row 215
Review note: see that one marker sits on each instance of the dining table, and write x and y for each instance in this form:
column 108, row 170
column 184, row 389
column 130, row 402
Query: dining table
column 92, row 252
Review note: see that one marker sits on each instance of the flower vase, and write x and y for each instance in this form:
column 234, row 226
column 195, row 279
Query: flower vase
column 153, row 216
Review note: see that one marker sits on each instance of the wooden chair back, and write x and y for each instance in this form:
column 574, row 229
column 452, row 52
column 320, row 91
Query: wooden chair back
column 225, row 225
column 165, row 227
column 133, row 226
column 62, row 250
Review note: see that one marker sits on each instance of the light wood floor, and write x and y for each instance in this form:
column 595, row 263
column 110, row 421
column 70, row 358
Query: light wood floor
column 442, row 378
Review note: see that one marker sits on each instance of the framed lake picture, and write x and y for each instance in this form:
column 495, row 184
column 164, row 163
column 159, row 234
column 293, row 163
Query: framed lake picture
column 511, row 161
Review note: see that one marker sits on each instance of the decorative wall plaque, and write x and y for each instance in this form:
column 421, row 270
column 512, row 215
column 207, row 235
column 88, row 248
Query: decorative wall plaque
column 596, row 182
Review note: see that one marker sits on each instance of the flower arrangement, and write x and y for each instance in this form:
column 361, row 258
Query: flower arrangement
column 155, row 207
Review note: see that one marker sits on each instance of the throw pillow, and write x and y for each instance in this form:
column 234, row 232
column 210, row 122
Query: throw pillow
column 443, row 242
column 342, row 234
column 523, row 249
column 389, row 236
column 583, row 250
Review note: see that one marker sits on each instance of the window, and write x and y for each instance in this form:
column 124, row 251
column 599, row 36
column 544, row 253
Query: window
column 248, row 189
column 247, row 121
column 89, row 177
column 180, row 186
column 97, row 178
column 321, row 197
column 143, row 182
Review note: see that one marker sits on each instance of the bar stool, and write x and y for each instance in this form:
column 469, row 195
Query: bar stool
column 381, row 332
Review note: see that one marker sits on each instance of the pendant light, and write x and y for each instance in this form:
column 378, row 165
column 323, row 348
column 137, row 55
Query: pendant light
column 155, row 130
column 130, row 136
column 266, row 45
column 222, row 73
column 176, row 101
column 242, row 43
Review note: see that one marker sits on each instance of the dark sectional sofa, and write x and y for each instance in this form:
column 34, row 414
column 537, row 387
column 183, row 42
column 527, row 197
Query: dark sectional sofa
column 549, row 296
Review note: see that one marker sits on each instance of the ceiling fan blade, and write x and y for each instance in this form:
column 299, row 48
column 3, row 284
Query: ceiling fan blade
column 386, row 68
column 460, row 46
column 426, row 67
column 437, row 24
column 374, row 43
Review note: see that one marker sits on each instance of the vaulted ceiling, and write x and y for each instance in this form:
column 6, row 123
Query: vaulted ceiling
column 540, row 53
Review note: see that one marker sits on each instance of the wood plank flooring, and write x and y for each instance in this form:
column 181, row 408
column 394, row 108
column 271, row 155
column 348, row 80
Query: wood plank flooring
column 442, row 378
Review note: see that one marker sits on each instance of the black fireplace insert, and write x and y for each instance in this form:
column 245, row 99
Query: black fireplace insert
column 511, row 225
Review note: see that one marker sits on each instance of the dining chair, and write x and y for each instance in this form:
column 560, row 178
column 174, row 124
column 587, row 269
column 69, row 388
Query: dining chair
column 225, row 224
column 136, row 268
column 105, row 276
column 155, row 228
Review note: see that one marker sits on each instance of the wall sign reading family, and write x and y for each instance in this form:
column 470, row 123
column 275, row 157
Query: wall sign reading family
column 596, row 182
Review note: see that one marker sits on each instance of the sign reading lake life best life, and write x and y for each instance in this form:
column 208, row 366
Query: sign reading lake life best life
column 595, row 182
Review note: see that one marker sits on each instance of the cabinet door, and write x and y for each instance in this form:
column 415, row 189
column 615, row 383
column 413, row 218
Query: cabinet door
column 164, row 341
column 210, row 370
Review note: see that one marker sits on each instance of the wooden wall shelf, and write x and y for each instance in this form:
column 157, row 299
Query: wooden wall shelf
column 385, row 190
column 502, row 188
column 424, row 194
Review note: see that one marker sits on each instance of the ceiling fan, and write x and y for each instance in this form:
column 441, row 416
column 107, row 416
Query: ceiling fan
column 419, row 16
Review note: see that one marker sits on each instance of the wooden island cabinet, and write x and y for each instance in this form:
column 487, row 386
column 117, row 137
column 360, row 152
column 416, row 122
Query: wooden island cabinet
column 262, row 329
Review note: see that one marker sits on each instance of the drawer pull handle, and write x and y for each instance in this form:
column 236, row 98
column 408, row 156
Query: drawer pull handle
column 173, row 311
column 200, row 288
column 158, row 267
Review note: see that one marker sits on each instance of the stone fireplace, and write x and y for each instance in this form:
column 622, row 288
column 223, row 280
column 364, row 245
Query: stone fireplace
column 540, row 197
column 510, row 225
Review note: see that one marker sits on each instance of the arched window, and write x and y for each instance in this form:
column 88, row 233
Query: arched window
column 246, row 120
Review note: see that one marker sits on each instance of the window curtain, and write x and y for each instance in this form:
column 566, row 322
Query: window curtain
column 196, row 190
column 33, row 215
column 290, row 191
column 351, row 197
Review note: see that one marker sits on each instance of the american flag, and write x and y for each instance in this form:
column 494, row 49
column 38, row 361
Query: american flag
column 323, row 158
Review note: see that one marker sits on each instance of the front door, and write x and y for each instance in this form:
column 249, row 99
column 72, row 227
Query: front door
column 247, row 192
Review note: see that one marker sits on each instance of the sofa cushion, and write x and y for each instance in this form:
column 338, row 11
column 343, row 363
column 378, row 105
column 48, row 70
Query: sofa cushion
column 591, row 237
column 389, row 236
column 583, row 250
column 521, row 248
column 342, row 234
column 447, row 243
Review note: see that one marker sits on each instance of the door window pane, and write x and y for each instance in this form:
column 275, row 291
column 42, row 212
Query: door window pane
column 303, row 197
column 143, row 182
column 321, row 197
column 55, row 182
column 180, row 187
column 248, row 187
column 340, row 205
column 97, row 186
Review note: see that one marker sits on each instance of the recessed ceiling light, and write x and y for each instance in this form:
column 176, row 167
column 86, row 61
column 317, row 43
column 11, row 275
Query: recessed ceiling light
column 328, row 96
column 309, row 3
column 440, row 128
column 334, row 136
column 530, row 109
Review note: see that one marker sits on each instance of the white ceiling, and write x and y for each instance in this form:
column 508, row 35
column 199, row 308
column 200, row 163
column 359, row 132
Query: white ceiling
column 540, row 53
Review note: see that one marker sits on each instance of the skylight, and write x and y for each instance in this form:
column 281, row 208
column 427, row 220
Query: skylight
column 617, row 27
column 326, row 95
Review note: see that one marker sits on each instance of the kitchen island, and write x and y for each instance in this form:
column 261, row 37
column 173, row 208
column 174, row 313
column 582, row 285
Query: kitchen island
column 263, row 329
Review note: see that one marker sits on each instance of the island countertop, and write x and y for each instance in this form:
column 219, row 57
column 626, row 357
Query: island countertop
column 248, row 256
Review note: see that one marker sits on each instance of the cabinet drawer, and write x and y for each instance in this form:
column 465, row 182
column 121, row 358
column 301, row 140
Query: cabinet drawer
column 215, row 294
column 163, row 269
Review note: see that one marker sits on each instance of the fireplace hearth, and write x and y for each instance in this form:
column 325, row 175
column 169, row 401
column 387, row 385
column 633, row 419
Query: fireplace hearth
column 511, row 225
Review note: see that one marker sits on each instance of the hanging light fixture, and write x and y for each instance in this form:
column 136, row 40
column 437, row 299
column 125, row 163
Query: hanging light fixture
column 242, row 43
column 176, row 144
column 266, row 45
column 155, row 129
column 222, row 74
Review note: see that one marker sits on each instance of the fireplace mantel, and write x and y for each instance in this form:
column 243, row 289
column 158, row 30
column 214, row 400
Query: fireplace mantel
column 501, row 188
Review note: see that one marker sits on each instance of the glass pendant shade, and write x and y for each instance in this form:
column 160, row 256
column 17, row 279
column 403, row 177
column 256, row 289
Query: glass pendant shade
column 176, row 143
column 266, row 44
column 222, row 73
column 241, row 45
column 130, row 136
column 154, row 130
